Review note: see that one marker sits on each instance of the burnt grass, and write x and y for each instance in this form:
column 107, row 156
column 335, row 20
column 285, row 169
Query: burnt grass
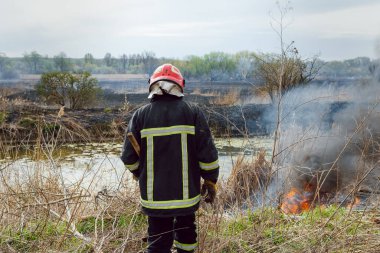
column 228, row 108
column 27, row 123
column 104, row 124
column 108, row 119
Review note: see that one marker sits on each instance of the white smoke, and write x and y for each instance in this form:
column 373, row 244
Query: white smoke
column 329, row 138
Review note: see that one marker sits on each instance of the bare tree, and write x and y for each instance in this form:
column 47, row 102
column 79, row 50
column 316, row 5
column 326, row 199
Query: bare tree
column 282, row 72
column 245, row 62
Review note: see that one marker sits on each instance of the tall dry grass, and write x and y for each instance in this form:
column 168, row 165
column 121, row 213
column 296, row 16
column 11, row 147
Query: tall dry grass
column 247, row 179
column 229, row 98
column 40, row 212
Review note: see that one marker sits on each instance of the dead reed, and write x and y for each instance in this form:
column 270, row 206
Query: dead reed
column 246, row 179
column 229, row 98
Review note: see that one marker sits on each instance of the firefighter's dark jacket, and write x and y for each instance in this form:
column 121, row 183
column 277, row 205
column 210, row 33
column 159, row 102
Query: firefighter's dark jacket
column 176, row 151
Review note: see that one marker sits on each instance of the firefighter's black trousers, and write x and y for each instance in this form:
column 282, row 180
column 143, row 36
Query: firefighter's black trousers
column 163, row 230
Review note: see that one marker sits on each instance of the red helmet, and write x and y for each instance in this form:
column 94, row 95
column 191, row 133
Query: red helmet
column 169, row 73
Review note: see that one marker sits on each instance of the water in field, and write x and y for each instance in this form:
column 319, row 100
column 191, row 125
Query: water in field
column 96, row 166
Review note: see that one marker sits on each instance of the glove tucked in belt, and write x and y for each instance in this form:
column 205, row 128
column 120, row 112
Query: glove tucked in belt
column 209, row 189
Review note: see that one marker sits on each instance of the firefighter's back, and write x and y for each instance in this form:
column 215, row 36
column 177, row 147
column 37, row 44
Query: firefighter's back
column 170, row 179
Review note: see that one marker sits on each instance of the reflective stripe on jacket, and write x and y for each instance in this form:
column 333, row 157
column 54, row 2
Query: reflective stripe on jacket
column 176, row 151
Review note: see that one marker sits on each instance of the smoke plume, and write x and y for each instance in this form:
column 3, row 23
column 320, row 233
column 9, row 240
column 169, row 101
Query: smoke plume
column 329, row 138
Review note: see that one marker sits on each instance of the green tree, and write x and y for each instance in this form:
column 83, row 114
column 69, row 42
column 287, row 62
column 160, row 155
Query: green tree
column 83, row 91
column 108, row 59
column 33, row 61
column 3, row 61
column 89, row 63
column 219, row 65
column 124, row 63
column 88, row 59
column 149, row 62
column 62, row 63
column 197, row 67
column 7, row 69
column 71, row 90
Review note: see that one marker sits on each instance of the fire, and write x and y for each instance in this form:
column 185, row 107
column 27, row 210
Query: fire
column 296, row 202
column 354, row 203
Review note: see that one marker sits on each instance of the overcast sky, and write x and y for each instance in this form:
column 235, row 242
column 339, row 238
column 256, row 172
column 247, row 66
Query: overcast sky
column 334, row 29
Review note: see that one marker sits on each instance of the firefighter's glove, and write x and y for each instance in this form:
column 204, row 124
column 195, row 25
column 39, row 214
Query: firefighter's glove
column 209, row 190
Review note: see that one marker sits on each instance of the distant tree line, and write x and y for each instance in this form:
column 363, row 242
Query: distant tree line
column 214, row 66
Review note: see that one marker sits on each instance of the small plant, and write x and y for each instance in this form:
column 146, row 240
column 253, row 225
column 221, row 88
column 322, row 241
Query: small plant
column 107, row 110
column 126, row 107
column 3, row 117
column 50, row 128
column 27, row 123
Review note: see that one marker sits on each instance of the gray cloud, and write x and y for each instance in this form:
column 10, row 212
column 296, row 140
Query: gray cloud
column 328, row 5
column 169, row 28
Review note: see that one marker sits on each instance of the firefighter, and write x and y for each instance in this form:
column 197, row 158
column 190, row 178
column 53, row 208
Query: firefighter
column 177, row 150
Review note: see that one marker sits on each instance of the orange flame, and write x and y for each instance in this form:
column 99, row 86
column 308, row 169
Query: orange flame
column 354, row 203
column 296, row 202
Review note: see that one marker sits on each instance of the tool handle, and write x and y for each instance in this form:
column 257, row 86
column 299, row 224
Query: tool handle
column 134, row 142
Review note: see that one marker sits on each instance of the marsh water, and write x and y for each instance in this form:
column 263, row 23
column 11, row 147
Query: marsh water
column 96, row 166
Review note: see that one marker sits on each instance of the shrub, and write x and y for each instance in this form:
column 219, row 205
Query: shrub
column 74, row 91
column 27, row 123
column 3, row 117
column 107, row 110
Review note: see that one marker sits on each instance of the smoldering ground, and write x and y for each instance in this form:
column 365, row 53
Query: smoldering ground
column 328, row 139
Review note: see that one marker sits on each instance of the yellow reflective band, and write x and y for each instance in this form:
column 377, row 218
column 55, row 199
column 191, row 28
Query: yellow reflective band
column 161, row 131
column 185, row 165
column 133, row 167
column 149, row 167
column 185, row 246
column 170, row 204
column 209, row 166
